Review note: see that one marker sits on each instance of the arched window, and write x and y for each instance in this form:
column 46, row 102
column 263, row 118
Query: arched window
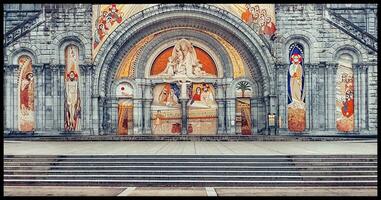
column 26, row 95
column 345, row 94
column 72, row 95
column 295, row 86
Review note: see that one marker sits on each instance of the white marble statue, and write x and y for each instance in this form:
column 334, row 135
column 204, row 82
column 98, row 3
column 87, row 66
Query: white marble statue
column 183, row 62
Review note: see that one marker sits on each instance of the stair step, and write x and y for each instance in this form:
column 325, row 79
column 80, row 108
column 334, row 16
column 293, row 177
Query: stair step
column 182, row 172
column 232, row 164
column 191, row 170
column 178, row 183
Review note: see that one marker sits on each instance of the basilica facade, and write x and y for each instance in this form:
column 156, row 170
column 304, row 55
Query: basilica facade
column 186, row 69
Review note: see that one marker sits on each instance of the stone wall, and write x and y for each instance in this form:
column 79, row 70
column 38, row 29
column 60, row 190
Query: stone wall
column 71, row 24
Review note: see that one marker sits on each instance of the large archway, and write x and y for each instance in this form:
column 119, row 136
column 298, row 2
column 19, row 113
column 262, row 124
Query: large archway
column 222, row 35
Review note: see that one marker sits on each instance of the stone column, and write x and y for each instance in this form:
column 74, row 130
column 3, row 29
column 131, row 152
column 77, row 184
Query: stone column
column 282, row 95
column 88, row 98
column 363, row 93
column 254, row 115
column 332, row 102
column 148, row 98
column 326, row 97
column 104, row 115
column 83, row 95
column 14, row 87
column 55, row 107
column 6, row 102
column 230, row 109
column 314, row 120
column 96, row 119
column 266, row 112
column 138, row 112
column 308, row 95
column 220, row 99
column 357, row 96
column 113, row 115
column 184, row 116
column 262, row 115
column 62, row 89
column 38, row 96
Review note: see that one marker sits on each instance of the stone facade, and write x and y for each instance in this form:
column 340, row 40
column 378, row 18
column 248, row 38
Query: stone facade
column 58, row 26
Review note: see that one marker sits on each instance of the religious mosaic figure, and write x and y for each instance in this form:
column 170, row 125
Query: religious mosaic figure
column 165, row 109
column 183, row 62
column 296, row 100
column 26, row 95
column 103, row 24
column 202, row 109
column 125, row 114
column 260, row 20
column 345, row 95
column 72, row 95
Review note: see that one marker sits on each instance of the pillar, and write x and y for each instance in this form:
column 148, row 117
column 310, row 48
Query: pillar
column 184, row 116
column 113, row 115
column 254, row 115
column 230, row 109
column 220, row 99
column 308, row 96
column 96, row 120
column 138, row 112
column 357, row 96
column 332, row 99
column 363, row 103
column 83, row 95
column 55, row 107
column 7, row 101
column 15, row 94
column 61, row 115
column 38, row 96
column 147, row 101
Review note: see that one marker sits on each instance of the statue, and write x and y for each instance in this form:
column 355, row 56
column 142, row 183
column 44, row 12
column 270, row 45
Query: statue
column 183, row 62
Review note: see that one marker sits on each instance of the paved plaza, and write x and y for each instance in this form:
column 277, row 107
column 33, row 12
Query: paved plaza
column 189, row 147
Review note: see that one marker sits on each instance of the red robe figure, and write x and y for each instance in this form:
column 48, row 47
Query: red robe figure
column 247, row 16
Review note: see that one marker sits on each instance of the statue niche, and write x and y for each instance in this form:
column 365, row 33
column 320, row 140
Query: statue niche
column 185, row 61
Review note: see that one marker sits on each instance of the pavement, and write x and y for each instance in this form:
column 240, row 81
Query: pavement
column 189, row 147
column 188, row 191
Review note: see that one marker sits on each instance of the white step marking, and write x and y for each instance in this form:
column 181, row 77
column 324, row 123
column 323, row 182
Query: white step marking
column 127, row 191
column 210, row 192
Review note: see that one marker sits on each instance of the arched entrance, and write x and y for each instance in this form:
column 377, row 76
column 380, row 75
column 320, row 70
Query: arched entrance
column 131, row 53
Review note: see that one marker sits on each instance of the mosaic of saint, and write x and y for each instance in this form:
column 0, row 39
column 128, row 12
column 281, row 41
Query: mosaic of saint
column 165, row 109
column 125, row 117
column 202, row 109
column 108, row 18
column 183, row 61
column 261, row 18
column 296, row 93
column 345, row 95
column 72, row 95
column 26, row 95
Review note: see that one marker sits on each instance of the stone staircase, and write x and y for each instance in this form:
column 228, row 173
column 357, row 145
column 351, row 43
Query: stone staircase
column 190, row 170
column 350, row 28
